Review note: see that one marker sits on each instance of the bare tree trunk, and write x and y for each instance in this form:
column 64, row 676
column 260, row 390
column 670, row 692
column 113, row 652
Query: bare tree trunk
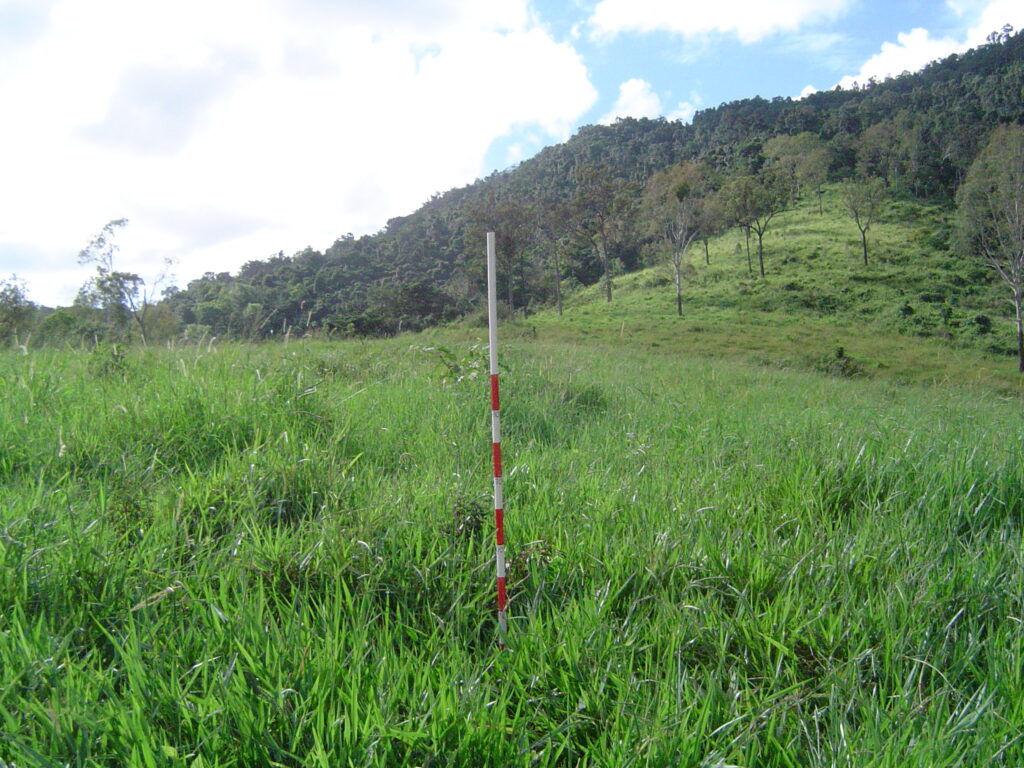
column 760, row 252
column 140, row 319
column 1018, row 301
column 139, row 315
column 677, row 263
column 525, row 287
column 511, row 305
column 707, row 254
column 602, row 250
column 750, row 266
column 864, row 243
column 558, row 282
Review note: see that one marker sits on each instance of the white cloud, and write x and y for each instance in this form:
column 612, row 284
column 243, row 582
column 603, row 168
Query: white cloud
column 807, row 91
column 993, row 17
column 685, row 110
column 913, row 50
column 228, row 131
column 960, row 7
column 750, row 20
column 636, row 99
column 515, row 154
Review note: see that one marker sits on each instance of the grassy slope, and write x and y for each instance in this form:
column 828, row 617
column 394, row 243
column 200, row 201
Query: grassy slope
column 282, row 556
column 909, row 315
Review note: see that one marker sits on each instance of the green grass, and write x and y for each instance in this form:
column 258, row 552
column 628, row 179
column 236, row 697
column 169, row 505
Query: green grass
column 282, row 555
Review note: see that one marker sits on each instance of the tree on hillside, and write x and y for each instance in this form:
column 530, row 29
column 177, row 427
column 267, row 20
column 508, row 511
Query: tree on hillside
column 674, row 203
column 882, row 149
column 736, row 216
column 864, row 198
column 712, row 221
column 121, row 296
column 505, row 215
column 990, row 217
column 753, row 202
column 16, row 311
column 801, row 159
column 549, row 219
column 602, row 208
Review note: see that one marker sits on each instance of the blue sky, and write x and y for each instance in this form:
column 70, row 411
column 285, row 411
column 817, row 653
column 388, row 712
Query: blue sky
column 229, row 130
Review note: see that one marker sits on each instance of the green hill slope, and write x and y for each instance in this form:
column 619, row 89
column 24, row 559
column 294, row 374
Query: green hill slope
column 919, row 133
column 917, row 311
column 922, row 131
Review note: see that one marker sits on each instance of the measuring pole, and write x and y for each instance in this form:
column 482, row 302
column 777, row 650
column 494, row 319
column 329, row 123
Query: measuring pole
column 499, row 502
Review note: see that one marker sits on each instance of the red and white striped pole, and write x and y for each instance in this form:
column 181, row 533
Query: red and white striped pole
column 499, row 502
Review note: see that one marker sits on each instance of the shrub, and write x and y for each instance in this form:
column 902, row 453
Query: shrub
column 838, row 363
column 982, row 324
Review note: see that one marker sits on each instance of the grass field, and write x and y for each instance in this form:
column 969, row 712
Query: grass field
column 282, row 555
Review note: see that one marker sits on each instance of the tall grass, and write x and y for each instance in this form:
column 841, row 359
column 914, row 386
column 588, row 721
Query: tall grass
column 283, row 556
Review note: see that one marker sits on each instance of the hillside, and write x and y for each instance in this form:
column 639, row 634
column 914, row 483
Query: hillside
column 916, row 312
column 917, row 133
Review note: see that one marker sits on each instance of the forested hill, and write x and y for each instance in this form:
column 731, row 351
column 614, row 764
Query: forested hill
column 578, row 210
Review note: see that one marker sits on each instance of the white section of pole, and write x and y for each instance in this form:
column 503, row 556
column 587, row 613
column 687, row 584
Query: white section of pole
column 492, row 303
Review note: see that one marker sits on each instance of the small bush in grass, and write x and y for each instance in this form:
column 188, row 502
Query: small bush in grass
column 108, row 361
column 657, row 280
column 590, row 398
column 454, row 368
column 469, row 515
column 839, row 364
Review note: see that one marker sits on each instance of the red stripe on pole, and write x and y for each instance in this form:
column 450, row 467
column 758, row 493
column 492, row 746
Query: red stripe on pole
column 494, row 391
column 497, row 459
column 499, row 523
column 502, row 596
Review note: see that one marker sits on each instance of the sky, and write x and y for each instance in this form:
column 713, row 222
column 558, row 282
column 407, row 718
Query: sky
column 227, row 131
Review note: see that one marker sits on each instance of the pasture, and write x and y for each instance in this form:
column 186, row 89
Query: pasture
column 283, row 555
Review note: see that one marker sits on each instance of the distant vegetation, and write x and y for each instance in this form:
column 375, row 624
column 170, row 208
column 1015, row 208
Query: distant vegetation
column 608, row 202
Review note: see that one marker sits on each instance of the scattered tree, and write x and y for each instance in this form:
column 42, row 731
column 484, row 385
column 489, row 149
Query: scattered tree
column 864, row 198
column 990, row 218
column 882, row 149
column 753, row 202
column 549, row 219
column 674, row 200
column 602, row 207
column 121, row 296
column 505, row 215
column 16, row 311
column 713, row 218
column 801, row 159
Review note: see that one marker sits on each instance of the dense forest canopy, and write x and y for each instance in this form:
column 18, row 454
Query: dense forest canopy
column 582, row 211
